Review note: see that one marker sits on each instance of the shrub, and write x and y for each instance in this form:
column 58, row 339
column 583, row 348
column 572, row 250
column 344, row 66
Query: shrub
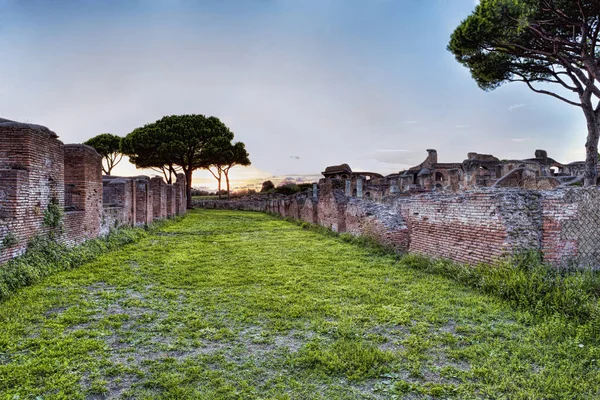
column 287, row 189
column 266, row 186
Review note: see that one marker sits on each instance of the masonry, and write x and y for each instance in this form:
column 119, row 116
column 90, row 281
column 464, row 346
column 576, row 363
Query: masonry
column 475, row 226
column 48, row 188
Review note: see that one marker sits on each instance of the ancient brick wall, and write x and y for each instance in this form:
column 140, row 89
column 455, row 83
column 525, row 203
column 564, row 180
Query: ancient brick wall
column 469, row 227
column 171, row 206
column 180, row 195
column 331, row 207
column 42, row 180
column 119, row 203
column 571, row 226
column 83, row 193
column 31, row 171
column 377, row 221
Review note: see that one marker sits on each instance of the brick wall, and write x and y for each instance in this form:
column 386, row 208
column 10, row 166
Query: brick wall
column 37, row 170
column 469, row 227
column 31, row 170
column 571, row 226
column 180, row 195
column 83, row 177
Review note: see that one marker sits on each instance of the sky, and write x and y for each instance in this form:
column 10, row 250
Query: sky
column 303, row 83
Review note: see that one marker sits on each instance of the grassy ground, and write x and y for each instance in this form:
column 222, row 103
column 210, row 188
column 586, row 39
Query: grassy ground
column 239, row 305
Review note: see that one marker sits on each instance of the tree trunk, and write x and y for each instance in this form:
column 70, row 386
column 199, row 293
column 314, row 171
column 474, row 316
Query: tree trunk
column 188, row 187
column 591, row 145
column 219, row 185
column 227, row 180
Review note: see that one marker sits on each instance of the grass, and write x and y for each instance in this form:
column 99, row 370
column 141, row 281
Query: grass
column 239, row 305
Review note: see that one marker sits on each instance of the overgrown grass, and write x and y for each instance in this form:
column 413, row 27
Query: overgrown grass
column 523, row 279
column 528, row 283
column 240, row 305
column 46, row 256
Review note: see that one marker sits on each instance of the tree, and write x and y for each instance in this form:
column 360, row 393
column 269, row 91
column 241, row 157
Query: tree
column 175, row 142
column 109, row 147
column 236, row 155
column 554, row 43
column 266, row 186
column 221, row 155
column 141, row 146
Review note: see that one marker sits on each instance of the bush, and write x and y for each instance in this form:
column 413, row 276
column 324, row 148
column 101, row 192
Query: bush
column 45, row 256
column 287, row 189
column 267, row 186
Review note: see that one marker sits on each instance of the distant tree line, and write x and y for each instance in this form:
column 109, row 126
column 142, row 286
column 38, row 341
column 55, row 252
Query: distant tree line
column 176, row 143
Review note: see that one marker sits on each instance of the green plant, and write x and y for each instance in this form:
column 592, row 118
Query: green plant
column 9, row 240
column 53, row 216
column 287, row 189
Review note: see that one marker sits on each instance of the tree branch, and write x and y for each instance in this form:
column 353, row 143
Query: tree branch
column 546, row 92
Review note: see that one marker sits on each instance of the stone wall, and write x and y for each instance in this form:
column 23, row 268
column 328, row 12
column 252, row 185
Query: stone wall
column 41, row 178
column 470, row 227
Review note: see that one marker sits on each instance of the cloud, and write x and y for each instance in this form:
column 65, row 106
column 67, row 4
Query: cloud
column 462, row 126
column 515, row 106
column 411, row 122
column 519, row 140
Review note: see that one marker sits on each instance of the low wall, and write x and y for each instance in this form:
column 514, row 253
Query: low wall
column 469, row 227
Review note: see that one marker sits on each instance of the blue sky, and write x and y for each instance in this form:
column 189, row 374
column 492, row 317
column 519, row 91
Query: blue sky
column 304, row 84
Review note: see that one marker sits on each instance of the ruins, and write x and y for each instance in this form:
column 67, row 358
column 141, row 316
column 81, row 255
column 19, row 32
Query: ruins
column 472, row 212
column 49, row 188
column 477, row 171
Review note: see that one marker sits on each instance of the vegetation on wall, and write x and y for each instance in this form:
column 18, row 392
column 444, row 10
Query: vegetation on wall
column 10, row 239
column 53, row 216
column 45, row 256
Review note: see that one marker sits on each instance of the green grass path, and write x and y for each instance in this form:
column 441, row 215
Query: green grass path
column 240, row 305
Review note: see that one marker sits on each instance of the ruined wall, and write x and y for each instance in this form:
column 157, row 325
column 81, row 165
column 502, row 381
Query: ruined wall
column 119, row 203
column 48, row 188
column 571, row 226
column 180, row 195
column 469, row 227
column 159, row 193
column 83, row 193
column 31, row 177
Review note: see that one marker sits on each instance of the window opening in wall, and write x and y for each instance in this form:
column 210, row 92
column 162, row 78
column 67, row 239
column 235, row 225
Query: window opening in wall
column 368, row 195
column 69, row 201
column 439, row 177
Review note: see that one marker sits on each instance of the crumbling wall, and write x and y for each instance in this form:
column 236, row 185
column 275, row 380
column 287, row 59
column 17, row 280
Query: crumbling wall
column 31, row 179
column 83, row 190
column 51, row 189
column 571, row 227
column 469, row 227
column 180, row 195
column 331, row 207
column 380, row 222
column 119, row 203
